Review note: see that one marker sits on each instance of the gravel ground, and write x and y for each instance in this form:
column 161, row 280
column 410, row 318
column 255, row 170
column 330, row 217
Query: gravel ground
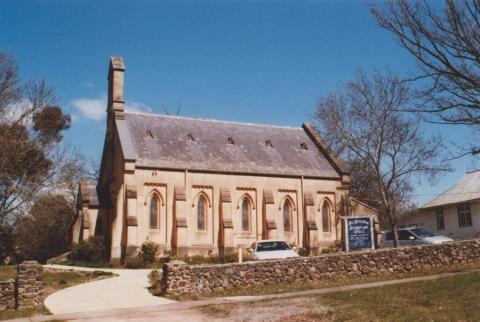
column 290, row 309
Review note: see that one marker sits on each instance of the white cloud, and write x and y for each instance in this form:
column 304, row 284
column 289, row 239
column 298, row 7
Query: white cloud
column 93, row 109
column 75, row 117
column 88, row 84
column 138, row 107
column 15, row 110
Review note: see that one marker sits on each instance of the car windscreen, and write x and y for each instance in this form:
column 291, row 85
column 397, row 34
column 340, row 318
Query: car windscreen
column 271, row 246
column 422, row 232
column 388, row 235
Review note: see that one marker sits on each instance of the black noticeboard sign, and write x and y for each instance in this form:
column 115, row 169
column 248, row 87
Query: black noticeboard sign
column 358, row 233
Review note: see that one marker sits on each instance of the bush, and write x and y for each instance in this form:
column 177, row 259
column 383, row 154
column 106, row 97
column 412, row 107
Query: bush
column 329, row 249
column 91, row 250
column 101, row 273
column 148, row 252
column 155, row 279
column 201, row 259
column 44, row 232
column 135, row 262
column 302, row 251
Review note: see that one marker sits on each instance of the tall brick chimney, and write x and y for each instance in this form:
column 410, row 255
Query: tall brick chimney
column 116, row 99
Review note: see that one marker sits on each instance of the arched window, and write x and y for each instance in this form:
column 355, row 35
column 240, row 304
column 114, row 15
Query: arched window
column 287, row 216
column 326, row 216
column 201, row 214
column 154, row 213
column 246, row 215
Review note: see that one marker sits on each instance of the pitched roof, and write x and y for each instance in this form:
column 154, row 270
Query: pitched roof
column 173, row 142
column 467, row 189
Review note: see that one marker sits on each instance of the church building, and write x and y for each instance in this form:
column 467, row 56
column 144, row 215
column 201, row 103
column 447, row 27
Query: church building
column 199, row 186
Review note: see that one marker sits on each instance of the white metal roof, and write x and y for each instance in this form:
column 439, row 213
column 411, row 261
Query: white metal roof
column 467, row 189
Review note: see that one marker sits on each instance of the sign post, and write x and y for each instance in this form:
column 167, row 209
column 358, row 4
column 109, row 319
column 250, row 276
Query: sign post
column 358, row 233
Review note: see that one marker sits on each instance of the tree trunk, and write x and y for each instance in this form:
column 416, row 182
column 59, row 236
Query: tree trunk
column 395, row 235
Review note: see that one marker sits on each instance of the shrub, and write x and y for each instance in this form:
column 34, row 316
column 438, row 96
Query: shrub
column 115, row 263
column 155, row 279
column 44, row 232
column 302, row 251
column 101, row 273
column 148, row 252
column 211, row 259
column 328, row 250
column 135, row 262
column 91, row 250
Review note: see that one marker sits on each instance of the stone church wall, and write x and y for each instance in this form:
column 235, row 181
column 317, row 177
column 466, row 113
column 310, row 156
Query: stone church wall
column 177, row 218
column 182, row 279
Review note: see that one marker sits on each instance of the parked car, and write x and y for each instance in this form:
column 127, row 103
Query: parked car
column 413, row 236
column 271, row 249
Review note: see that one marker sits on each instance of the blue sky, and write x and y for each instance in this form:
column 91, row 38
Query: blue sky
column 255, row 61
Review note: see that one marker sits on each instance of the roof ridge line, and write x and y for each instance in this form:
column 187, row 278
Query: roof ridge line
column 214, row 120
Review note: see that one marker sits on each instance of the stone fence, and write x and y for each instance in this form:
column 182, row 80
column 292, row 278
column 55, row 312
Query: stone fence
column 181, row 279
column 7, row 295
column 26, row 291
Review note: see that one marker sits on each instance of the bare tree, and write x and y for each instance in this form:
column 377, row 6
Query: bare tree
column 364, row 123
column 446, row 46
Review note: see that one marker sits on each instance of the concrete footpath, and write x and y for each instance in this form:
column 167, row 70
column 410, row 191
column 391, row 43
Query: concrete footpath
column 189, row 310
column 127, row 290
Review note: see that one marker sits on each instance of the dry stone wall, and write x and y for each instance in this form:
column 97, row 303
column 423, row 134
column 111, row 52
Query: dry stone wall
column 26, row 291
column 29, row 285
column 181, row 279
column 7, row 295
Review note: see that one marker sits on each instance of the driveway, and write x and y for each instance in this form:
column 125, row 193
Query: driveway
column 127, row 290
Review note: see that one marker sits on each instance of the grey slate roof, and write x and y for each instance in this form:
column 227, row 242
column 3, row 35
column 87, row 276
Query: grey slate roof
column 173, row 142
column 467, row 189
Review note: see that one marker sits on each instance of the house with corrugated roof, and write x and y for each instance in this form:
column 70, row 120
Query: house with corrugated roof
column 199, row 186
column 454, row 213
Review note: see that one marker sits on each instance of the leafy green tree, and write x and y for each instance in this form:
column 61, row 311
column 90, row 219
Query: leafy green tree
column 31, row 126
column 45, row 233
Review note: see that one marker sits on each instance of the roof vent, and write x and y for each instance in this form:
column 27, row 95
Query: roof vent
column 304, row 146
column 149, row 134
column 190, row 138
column 230, row 141
column 268, row 144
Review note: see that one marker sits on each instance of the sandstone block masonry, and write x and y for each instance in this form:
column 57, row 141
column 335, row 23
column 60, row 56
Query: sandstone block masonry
column 26, row 291
column 204, row 279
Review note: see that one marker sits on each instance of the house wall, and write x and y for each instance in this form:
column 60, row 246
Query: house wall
column 189, row 240
column 427, row 218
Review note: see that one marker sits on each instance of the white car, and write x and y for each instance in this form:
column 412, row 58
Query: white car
column 413, row 236
column 271, row 249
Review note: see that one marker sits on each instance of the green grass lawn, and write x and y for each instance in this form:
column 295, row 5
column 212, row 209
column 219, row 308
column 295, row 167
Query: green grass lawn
column 446, row 299
column 7, row 272
column 454, row 298
column 54, row 280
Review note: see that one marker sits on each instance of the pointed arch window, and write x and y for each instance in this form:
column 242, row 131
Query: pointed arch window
column 246, row 209
column 154, row 212
column 201, row 213
column 326, row 217
column 287, row 215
